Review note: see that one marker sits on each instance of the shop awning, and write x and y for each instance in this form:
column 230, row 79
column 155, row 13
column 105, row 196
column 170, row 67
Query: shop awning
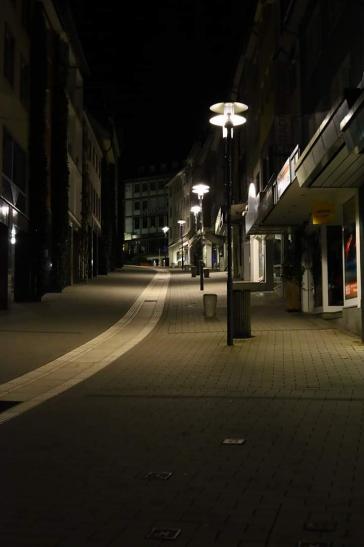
column 297, row 205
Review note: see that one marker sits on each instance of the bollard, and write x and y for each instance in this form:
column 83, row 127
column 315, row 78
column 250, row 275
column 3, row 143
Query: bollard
column 209, row 305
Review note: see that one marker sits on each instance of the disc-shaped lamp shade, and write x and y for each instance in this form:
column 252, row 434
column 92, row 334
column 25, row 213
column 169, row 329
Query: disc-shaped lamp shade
column 200, row 189
column 228, row 112
column 165, row 229
column 225, row 108
column 195, row 209
column 221, row 120
column 181, row 222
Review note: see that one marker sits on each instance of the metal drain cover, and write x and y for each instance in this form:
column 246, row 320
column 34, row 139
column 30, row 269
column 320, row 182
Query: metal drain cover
column 230, row 440
column 159, row 475
column 320, row 525
column 150, row 300
column 314, row 544
column 164, row 534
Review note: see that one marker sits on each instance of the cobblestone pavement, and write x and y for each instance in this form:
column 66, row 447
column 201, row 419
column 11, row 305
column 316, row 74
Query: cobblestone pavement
column 78, row 467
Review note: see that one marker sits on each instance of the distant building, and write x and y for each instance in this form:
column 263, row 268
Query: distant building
column 145, row 214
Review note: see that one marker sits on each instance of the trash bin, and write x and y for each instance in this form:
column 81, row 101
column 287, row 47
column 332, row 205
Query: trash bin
column 206, row 272
column 193, row 271
column 241, row 314
column 209, row 305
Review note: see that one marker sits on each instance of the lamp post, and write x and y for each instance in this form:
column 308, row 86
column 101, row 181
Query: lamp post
column 181, row 223
column 165, row 230
column 201, row 190
column 228, row 117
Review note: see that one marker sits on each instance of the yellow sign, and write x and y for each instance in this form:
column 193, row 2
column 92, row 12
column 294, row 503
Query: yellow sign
column 323, row 213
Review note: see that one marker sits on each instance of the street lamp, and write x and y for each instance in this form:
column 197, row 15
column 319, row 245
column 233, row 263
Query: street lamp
column 181, row 223
column 201, row 190
column 228, row 117
column 165, row 230
column 195, row 209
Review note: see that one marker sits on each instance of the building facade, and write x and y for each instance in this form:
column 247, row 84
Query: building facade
column 60, row 176
column 145, row 216
column 14, row 137
column 91, row 201
column 304, row 172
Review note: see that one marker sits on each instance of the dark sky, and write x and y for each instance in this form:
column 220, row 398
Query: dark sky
column 157, row 68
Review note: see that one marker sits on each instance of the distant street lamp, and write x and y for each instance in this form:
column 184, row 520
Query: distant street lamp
column 201, row 190
column 181, row 223
column 165, row 230
column 228, row 117
column 195, row 209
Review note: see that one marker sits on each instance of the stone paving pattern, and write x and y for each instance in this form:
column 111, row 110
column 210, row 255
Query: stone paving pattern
column 74, row 468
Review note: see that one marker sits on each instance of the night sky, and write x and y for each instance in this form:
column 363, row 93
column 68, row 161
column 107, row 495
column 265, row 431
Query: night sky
column 156, row 69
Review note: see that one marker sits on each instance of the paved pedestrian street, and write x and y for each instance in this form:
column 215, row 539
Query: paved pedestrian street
column 134, row 455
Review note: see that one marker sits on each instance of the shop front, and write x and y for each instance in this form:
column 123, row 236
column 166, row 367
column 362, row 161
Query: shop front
column 13, row 227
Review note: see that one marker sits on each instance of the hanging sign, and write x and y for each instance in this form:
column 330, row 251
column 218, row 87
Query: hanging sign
column 323, row 213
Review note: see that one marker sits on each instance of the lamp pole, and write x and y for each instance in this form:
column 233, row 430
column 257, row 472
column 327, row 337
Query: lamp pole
column 229, row 283
column 165, row 230
column 201, row 190
column 228, row 117
column 181, row 223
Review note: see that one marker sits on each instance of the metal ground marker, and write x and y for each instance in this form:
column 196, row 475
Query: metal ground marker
column 158, row 475
column 314, row 544
column 230, row 440
column 320, row 525
column 164, row 534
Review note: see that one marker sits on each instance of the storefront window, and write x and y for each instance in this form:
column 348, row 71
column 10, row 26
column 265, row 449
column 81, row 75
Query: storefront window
column 317, row 268
column 349, row 235
column 335, row 266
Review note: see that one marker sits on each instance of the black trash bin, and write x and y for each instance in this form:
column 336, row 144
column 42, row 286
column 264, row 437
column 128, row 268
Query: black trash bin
column 206, row 272
column 193, row 271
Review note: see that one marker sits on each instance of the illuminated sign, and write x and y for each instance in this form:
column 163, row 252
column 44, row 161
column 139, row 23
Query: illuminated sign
column 323, row 213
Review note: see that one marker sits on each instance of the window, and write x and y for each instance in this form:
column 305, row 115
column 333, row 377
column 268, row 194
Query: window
column 136, row 188
column 152, row 186
column 14, row 169
column 145, row 205
column 19, row 167
column 136, row 205
column 136, row 223
column 161, row 185
column 161, row 220
column 9, row 55
column 26, row 13
column 145, row 187
column 152, row 222
column 24, row 82
column 145, row 222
